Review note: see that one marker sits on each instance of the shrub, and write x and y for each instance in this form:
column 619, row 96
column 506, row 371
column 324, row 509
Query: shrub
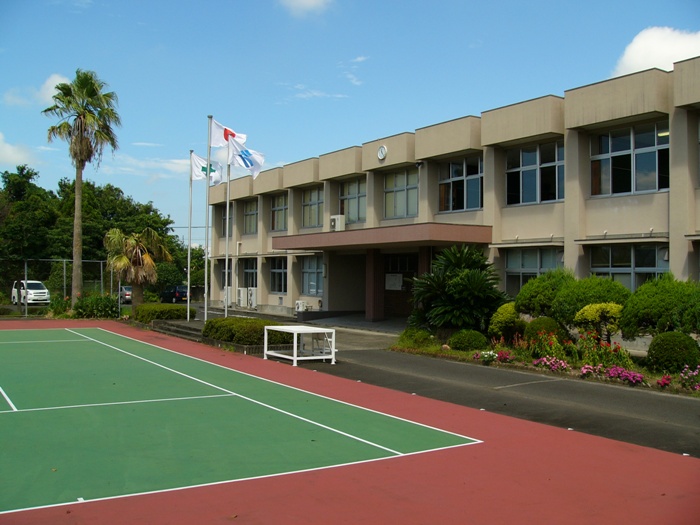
column 537, row 295
column 415, row 338
column 506, row 323
column 6, row 311
column 546, row 325
column 59, row 305
column 601, row 318
column 546, row 344
column 574, row 295
column 657, row 306
column 146, row 313
column 244, row 331
column 595, row 352
column 96, row 307
column 461, row 291
column 671, row 351
column 467, row 340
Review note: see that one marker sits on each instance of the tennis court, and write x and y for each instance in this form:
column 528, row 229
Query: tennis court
column 102, row 423
column 89, row 414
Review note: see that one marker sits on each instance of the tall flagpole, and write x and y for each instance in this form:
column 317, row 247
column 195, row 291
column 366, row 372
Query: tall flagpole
column 228, row 226
column 206, row 226
column 189, row 243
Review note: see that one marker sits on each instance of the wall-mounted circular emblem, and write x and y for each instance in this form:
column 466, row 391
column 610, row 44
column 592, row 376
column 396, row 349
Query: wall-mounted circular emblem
column 381, row 152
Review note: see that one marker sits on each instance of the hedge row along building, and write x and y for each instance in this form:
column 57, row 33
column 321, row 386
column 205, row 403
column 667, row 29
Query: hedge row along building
column 604, row 180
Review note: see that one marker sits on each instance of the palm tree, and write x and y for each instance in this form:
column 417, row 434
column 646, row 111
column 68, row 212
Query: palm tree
column 87, row 117
column 134, row 258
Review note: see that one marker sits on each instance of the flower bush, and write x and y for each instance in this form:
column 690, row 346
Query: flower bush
column 626, row 376
column 590, row 370
column 546, row 344
column 689, row 378
column 552, row 363
column 487, row 357
column 664, row 381
column 594, row 351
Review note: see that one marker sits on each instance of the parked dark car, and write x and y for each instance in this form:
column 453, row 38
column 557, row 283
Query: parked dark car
column 174, row 294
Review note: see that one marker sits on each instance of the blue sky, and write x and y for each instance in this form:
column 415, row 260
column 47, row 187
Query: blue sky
column 302, row 77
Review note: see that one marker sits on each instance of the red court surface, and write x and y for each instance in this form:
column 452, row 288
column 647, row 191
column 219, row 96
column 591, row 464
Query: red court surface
column 523, row 472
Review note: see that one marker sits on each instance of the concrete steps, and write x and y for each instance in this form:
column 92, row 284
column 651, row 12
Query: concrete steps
column 189, row 331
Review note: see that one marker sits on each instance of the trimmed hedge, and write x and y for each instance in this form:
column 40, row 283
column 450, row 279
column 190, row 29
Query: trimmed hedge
column 467, row 340
column 145, row 313
column 244, row 331
column 506, row 323
column 671, row 351
column 547, row 325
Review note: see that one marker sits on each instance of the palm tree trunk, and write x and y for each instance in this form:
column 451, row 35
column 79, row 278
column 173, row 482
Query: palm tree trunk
column 77, row 281
column 136, row 295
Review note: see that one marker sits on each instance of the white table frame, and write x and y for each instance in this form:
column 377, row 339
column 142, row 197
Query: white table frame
column 300, row 350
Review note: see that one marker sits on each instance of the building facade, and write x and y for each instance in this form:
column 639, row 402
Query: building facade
column 604, row 180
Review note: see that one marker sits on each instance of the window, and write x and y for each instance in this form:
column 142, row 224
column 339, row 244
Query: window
column 250, row 273
column 278, row 275
column 279, row 212
column 230, row 222
column 312, row 275
column 535, row 173
column 250, row 217
column 461, row 185
column 353, row 200
column 401, row 194
column 629, row 264
column 312, row 207
column 526, row 263
column 630, row 160
column 224, row 281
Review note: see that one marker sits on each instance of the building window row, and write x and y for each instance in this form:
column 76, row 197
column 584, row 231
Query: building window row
column 630, row 160
column 353, row 200
column 278, row 219
column 523, row 264
column 630, row 264
column 535, row 173
column 312, row 207
column 461, row 185
column 401, row 194
column 278, row 275
column 312, row 275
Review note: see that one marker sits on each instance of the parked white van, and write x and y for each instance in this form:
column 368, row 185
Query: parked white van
column 35, row 293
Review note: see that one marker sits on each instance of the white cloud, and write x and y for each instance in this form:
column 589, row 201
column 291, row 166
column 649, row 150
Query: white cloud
column 28, row 96
column 48, row 89
column 302, row 7
column 658, row 47
column 15, row 155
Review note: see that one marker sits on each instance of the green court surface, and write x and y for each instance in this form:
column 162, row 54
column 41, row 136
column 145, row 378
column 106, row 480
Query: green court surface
column 88, row 414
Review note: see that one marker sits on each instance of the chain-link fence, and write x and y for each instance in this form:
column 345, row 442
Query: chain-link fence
column 56, row 274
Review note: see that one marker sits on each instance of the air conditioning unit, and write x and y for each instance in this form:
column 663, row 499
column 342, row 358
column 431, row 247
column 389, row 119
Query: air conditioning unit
column 242, row 297
column 301, row 306
column 252, row 297
column 337, row 223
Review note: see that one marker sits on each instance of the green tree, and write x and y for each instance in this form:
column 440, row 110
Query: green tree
column 576, row 294
column 658, row 306
column 461, row 292
column 536, row 297
column 133, row 257
column 87, row 117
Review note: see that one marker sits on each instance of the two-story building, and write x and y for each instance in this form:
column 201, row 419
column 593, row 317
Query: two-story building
column 604, row 180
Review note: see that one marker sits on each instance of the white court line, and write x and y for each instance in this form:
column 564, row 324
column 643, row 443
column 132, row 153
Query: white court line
column 9, row 401
column 42, row 342
column 290, row 414
column 346, row 403
column 134, row 402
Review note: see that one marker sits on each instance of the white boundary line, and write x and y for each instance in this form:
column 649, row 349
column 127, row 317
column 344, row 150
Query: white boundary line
column 475, row 441
column 9, row 401
column 270, row 407
column 42, row 342
column 276, row 475
column 134, row 402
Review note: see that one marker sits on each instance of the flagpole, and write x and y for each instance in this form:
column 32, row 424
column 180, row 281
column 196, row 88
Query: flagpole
column 189, row 243
column 228, row 226
column 206, row 226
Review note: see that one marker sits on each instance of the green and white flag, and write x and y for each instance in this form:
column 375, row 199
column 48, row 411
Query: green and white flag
column 198, row 168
